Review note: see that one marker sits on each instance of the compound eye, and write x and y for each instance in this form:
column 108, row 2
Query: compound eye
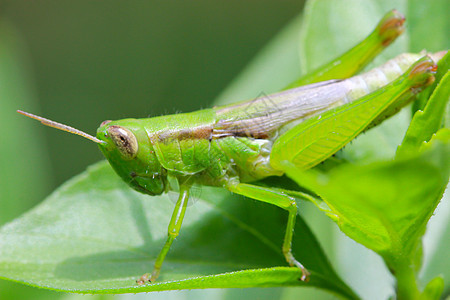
column 124, row 140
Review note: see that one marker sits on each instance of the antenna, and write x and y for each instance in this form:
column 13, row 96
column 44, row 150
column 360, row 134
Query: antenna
column 62, row 127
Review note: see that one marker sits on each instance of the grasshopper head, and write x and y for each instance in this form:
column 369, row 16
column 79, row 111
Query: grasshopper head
column 129, row 151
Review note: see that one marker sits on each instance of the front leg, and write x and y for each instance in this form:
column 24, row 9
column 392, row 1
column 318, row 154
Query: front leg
column 282, row 200
column 173, row 231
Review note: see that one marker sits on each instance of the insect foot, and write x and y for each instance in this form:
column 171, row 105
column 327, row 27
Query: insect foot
column 294, row 263
column 305, row 275
column 144, row 279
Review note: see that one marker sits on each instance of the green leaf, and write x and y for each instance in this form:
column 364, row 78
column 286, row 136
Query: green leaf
column 386, row 205
column 96, row 235
column 443, row 67
column 437, row 243
column 427, row 122
column 434, row 289
column 334, row 26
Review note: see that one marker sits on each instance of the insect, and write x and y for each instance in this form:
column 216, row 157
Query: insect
column 237, row 145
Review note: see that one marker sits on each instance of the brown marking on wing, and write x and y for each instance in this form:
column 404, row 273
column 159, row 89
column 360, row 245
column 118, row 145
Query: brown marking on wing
column 196, row 133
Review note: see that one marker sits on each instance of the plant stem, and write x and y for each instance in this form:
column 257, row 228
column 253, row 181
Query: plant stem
column 406, row 282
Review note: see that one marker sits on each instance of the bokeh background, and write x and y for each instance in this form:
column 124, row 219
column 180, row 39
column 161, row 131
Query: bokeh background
column 82, row 62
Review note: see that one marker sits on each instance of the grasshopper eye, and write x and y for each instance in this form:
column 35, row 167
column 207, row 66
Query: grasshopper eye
column 124, row 140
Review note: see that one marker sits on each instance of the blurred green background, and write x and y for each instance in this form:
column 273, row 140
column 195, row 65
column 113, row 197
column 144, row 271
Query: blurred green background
column 82, row 62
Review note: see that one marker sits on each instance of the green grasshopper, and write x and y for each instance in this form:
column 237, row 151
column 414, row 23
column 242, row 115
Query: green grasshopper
column 235, row 146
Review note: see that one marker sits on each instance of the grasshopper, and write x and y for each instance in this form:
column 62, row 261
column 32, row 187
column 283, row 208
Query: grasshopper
column 235, row 146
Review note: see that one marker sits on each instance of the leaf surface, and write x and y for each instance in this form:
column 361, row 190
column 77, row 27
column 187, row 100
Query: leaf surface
column 96, row 235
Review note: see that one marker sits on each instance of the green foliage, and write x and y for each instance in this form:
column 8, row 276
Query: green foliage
column 96, row 235
column 426, row 123
column 386, row 205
